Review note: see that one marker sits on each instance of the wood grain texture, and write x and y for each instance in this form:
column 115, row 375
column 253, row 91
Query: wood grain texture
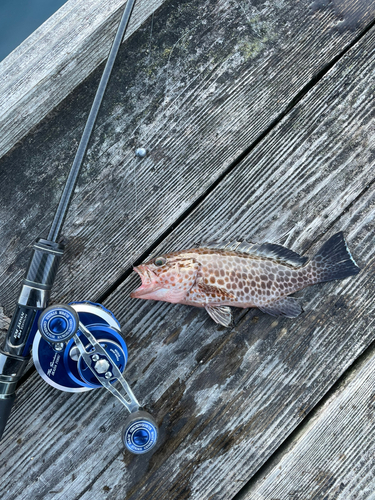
column 196, row 85
column 56, row 58
column 332, row 457
column 225, row 399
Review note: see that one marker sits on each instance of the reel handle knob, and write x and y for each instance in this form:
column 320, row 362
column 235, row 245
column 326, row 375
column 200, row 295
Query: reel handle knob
column 140, row 432
column 58, row 323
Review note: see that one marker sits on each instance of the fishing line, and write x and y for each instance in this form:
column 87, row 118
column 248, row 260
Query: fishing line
column 82, row 147
column 76, row 347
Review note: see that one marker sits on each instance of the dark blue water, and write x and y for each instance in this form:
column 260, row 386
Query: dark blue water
column 19, row 18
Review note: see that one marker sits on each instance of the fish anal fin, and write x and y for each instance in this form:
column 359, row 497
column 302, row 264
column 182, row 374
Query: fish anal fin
column 270, row 251
column 286, row 306
column 220, row 314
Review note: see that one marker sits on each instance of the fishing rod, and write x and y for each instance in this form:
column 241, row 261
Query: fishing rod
column 76, row 347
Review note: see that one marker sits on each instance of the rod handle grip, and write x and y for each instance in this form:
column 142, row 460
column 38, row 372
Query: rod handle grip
column 5, row 409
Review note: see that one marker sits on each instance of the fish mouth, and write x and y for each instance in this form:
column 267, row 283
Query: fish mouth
column 148, row 282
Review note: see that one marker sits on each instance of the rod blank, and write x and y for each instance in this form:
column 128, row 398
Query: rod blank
column 67, row 194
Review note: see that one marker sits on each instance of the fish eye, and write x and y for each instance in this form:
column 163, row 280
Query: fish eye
column 160, row 261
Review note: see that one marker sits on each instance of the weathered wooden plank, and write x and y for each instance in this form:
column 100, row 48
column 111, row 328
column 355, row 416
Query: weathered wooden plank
column 56, row 58
column 226, row 399
column 208, row 61
column 332, row 456
column 259, row 382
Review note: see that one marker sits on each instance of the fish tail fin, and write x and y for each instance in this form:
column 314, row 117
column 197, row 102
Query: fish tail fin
column 333, row 261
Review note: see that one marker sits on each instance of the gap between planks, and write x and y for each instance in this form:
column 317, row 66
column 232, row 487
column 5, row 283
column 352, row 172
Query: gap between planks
column 44, row 69
column 341, row 383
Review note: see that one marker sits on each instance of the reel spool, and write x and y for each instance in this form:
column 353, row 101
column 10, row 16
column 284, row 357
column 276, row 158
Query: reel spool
column 56, row 355
column 77, row 348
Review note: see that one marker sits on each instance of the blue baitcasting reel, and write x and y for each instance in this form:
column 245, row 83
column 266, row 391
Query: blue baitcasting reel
column 77, row 348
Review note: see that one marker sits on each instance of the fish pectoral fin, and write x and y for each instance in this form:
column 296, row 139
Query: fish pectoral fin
column 286, row 306
column 221, row 293
column 220, row 314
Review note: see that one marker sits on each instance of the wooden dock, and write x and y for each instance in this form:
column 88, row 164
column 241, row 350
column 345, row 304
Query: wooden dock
column 258, row 120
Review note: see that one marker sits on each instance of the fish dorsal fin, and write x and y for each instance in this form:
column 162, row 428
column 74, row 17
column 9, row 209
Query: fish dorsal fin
column 265, row 250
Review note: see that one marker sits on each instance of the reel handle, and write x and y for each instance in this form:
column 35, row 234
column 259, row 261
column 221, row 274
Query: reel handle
column 140, row 432
column 130, row 403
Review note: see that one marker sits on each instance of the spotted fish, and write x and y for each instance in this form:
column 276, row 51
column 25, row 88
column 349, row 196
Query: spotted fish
column 221, row 274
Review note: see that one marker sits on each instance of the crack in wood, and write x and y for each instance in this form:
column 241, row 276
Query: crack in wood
column 340, row 384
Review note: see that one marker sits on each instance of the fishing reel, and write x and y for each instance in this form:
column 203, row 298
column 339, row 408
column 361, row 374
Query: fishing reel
column 78, row 348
